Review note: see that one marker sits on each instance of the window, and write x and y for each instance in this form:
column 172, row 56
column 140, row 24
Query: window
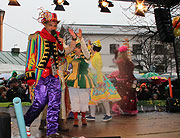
column 159, row 49
column 137, row 49
column 113, row 48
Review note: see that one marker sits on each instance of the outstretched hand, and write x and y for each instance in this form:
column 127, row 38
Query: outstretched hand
column 72, row 33
column 79, row 34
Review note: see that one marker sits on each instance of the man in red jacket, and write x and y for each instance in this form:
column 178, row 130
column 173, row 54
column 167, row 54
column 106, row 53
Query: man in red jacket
column 44, row 55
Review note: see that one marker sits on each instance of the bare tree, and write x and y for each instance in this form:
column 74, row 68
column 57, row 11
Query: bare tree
column 154, row 53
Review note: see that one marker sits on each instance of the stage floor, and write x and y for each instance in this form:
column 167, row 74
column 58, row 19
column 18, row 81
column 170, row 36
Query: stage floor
column 143, row 125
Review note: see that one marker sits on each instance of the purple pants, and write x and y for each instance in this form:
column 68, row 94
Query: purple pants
column 47, row 91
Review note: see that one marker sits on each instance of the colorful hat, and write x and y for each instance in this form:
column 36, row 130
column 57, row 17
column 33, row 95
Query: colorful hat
column 45, row 16
column 97, row 43
column 122, row 48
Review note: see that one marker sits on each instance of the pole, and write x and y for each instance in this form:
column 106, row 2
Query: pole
column 1, row 28
column 170, row 88
column 20, row 117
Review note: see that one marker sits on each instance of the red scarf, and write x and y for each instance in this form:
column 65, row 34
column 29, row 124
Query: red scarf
column 46, row 35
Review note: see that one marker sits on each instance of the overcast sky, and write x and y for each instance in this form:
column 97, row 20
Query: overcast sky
column 79, row 12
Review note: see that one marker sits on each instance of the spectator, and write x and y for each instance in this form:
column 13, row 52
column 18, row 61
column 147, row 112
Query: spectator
column 14, row 91
column 155, row 96
column 25, row 92
column 3, row 94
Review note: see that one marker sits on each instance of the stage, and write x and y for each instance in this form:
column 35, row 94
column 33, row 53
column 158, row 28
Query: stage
column 144, row 125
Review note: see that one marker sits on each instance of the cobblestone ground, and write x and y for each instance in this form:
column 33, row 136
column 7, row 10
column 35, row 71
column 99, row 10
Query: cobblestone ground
column 143, row 125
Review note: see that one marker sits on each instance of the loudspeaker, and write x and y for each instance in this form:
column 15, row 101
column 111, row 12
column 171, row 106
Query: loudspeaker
column 173, row 105
column 164, row 25
column 5, row 125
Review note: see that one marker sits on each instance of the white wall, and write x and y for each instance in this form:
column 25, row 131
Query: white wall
column 106, row 40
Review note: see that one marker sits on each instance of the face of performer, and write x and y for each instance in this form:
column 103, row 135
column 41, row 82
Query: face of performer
column 50, row 26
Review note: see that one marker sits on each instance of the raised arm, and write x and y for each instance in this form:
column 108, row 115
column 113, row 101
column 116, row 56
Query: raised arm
column 83, row 45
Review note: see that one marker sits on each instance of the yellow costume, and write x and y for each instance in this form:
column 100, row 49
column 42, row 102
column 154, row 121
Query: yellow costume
column 107, row 91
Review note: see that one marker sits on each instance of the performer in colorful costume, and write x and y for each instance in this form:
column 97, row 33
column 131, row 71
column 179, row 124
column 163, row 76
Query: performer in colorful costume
column 65, row 100
column 104, row 91
column 125, row 79
column 42, row 60
column 80, row 82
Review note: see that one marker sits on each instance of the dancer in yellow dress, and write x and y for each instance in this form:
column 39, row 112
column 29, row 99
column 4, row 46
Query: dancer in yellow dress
column 104, row 91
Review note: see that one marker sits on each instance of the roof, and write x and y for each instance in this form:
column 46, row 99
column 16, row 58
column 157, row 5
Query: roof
column 7, row 57
column 89, row 29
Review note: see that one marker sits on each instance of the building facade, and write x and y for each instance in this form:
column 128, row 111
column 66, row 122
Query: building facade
column 113, row 36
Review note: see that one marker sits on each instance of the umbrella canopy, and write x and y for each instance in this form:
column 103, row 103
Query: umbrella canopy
column 137, row 76
column 144, row 80
column 6, row 76
column 159, row 78
column 168, row 75
column 150, row 74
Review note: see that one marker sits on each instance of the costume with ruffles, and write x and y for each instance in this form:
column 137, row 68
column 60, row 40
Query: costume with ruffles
column 125, row 79
column 79, row 80
column 107, row 92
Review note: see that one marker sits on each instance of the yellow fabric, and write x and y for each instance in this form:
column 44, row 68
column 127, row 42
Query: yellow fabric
column 96, row 62
column 76, row 84
column 87, row 82
column 74, row 73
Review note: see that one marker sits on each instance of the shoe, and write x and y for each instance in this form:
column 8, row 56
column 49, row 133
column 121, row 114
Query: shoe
column 56, row 135
column 62, row 125
column 107, row 118
column 42, row 125
column 28, row 131
column 76, row 122
column 84, row 122
column 90, row 118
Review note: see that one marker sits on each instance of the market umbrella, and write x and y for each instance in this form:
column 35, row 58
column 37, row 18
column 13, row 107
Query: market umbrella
column 6, row 76
column 144, row 80
column 150, row 74
column 159, row 78
column 137, row 76
column 168, row 75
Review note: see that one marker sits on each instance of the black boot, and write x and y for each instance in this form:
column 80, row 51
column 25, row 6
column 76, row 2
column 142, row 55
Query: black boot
column 42, row 125
column 63, row 125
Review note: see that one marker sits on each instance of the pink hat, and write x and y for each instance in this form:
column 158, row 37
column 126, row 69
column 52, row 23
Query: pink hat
column 122, row 48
